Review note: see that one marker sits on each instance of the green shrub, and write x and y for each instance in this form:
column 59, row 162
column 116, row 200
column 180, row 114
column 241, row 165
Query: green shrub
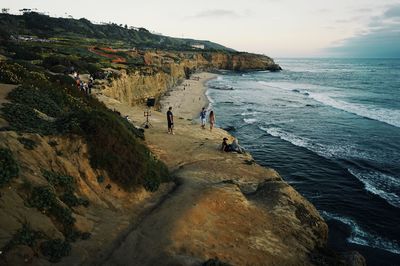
column 35, row 98
column 58, row 69
column 55, row 249
column 8, row 166
column 11, row 73
column 24, row 236
column 56, row 179
column 45, row 199
column 100, row 179
column 71, row 200
column 114, row 147
column 28, row 143
column 23, row 118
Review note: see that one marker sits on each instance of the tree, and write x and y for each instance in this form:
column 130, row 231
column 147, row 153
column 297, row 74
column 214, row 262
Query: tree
column 25, row 10
column 5, row 10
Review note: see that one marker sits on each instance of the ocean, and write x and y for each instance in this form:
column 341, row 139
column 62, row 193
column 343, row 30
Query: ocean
column 331, row 128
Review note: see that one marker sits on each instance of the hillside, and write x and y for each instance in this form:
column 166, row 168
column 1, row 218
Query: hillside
column 82, row 30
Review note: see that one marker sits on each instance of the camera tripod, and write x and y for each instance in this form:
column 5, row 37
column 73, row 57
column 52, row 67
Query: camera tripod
column 147, row 123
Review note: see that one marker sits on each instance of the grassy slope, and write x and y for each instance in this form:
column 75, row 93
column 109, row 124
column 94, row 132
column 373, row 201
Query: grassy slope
column 83, row 30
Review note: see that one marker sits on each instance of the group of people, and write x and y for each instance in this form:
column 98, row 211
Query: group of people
column 225, row 147
column 203, row 118
column 85, row 87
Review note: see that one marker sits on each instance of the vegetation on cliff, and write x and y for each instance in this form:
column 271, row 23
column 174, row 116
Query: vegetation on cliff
column 42, row 26
column 51, row 105
column 8, row 165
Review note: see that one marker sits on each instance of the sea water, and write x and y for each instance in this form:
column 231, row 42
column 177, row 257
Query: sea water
column 331, row 127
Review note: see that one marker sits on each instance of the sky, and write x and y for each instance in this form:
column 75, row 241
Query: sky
column 278, row 28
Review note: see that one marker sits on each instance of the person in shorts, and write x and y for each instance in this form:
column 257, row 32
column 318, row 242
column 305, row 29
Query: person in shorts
column 203, row 115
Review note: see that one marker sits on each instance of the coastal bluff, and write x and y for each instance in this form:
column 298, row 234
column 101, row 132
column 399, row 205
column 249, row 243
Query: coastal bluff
column 225, row 207
column 163, row 70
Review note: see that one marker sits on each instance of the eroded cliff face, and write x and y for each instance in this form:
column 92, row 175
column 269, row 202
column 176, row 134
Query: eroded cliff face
column 110, row 211
column 163, row 70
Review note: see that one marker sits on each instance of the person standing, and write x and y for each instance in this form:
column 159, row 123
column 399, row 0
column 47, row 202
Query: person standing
column 170, row 120
column 203, row 115
column 212, row 119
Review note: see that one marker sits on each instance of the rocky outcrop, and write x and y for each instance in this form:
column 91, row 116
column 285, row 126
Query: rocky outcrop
column 163, row 70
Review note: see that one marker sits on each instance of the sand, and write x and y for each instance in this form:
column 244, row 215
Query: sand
column 188, row 98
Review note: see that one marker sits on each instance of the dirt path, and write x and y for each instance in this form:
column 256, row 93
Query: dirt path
column 224, row 206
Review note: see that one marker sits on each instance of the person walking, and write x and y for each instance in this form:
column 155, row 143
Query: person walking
column 170, row 120
column 203, row 115
column 212, row 119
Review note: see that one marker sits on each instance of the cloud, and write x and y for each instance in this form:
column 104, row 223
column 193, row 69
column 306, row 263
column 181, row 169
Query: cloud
column 380, row 39
column 216, row 13
column 393, row 12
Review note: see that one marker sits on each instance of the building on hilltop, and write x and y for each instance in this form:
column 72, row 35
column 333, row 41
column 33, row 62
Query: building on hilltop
column 198, row 46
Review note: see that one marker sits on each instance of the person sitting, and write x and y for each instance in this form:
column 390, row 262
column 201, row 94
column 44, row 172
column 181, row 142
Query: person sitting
column 225, row 145
column 236, row 147
column 233, row 147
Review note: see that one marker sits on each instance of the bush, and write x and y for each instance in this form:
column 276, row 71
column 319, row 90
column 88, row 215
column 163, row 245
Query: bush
column 59, row 69
column 55, row 249
column 23, row 118
column 24, row 236
column 43, row 198
column 46, row 200
column 28, row 143
column 71, row 200
column 114, row 147
column 8, row 166
column 59, row 180
column 37, row 99
column 11, row 73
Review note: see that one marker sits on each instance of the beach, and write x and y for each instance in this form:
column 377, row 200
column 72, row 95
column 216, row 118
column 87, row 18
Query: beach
column 188, row 98
column 224, row 205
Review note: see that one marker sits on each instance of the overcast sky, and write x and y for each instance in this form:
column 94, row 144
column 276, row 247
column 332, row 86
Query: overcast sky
column 278, row 28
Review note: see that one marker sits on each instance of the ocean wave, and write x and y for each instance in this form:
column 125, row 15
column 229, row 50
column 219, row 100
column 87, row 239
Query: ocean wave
column 250, row 120
column 296, row 140
column 211, row 101
column 249, row 113
column 361, row 237
column 221, row 87
column 380, row 184
column 339, row 151
column 388, row 116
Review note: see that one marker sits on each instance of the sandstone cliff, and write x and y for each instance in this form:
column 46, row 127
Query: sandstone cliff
column 166, row 69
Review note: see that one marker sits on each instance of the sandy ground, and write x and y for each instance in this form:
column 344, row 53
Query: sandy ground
column 188, row 98
column 215, row 209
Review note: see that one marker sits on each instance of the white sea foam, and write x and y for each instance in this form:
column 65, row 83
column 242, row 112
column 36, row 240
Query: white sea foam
column 388, row 116
column 249, row 113
column 375, row 182
column 361, row 237
column 296, row 140
column 380, row 184
column 250, row 120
